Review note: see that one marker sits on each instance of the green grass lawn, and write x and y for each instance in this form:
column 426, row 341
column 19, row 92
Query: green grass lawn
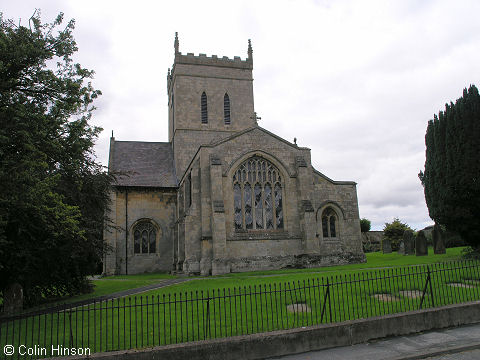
column 374, row 260
column 111, row 284
column 237, row 304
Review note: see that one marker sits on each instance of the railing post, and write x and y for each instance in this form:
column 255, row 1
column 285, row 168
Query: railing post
column 327, row 296
column 70, row 324
column 427, row 282
column 430, row 282
column 207, row 325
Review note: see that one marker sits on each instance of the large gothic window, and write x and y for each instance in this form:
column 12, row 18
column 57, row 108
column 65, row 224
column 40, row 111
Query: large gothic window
column 226, row 109
column 329, row 223
column 258, row 196
column 144, row 238
column 203, row 103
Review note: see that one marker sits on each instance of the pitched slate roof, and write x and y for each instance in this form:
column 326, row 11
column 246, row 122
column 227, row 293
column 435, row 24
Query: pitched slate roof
column 145, row 164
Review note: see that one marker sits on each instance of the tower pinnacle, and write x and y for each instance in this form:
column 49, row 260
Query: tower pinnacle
column 176, row 43
column 250, row 51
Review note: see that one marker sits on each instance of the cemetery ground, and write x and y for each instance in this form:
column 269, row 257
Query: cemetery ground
column 245, row 303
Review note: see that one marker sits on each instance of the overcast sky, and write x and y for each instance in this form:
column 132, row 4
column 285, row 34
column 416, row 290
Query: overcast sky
column 355, row 81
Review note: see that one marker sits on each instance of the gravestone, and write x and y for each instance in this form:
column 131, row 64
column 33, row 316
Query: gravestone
column 408, row 242
column 387, row 246
column 438, row 240
column 421, row 244
column 401, row 248
column 13, row 299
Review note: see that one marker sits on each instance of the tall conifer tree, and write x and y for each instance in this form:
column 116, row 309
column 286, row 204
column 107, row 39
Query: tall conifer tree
column 451, row 179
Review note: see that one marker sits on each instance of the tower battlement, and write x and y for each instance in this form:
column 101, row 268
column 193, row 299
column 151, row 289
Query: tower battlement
column 214, row 60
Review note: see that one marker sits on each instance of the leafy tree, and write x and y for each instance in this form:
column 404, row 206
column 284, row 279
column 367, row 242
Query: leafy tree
column 365, row 225
column 394, row 232
column 451, row 179
column 52, row 192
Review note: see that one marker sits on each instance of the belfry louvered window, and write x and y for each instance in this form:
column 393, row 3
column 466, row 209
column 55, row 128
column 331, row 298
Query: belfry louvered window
column 204, row 108
column 226, row 109
column 258, row 196
column 144, row 238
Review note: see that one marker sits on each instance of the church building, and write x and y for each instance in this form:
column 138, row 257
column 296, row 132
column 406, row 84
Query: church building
column 223, row 194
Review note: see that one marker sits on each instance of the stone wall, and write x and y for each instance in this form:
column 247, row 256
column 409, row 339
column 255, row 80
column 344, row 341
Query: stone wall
column 188, row 83
column 213, row 246
column 130, row 206
column 342, row 198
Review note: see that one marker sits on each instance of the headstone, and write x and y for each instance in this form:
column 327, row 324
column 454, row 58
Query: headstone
column 13, row 299
column 438, row 240
column 372, row 240
column 408, row 242
column 401, row 248
column 387, row 246
column 421, row 244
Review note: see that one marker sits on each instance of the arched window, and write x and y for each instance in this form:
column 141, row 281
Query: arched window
column 329, row 223
column 204, row 108
column 226, row 109
column 258, row 196
column 144, row 238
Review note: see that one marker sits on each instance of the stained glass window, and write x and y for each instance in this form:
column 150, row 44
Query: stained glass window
column 152, row 240
column 247, row 200
column 268, row 206
column 144, row 241
column 258, row 206
column 278, row 206
column 329, row 223
column 136, row 240
column 144, row 238
column 332, row 227
column 325, row 226
column 237, row 204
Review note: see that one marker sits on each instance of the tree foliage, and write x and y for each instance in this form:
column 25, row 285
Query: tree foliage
column 53, row 193
column 451, row 179
column 394, row 232
column 365, row 225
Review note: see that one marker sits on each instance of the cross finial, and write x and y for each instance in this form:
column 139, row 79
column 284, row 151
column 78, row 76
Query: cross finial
column 176, row 45
column 255, row 118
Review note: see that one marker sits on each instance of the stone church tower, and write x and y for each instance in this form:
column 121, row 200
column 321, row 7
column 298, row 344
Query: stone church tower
column 224, row 195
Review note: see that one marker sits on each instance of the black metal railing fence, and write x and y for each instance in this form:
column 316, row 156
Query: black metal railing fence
column 146, row 321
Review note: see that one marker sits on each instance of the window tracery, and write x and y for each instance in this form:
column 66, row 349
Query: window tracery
column 258, row 196
column 329, row 223
column 144, row 238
